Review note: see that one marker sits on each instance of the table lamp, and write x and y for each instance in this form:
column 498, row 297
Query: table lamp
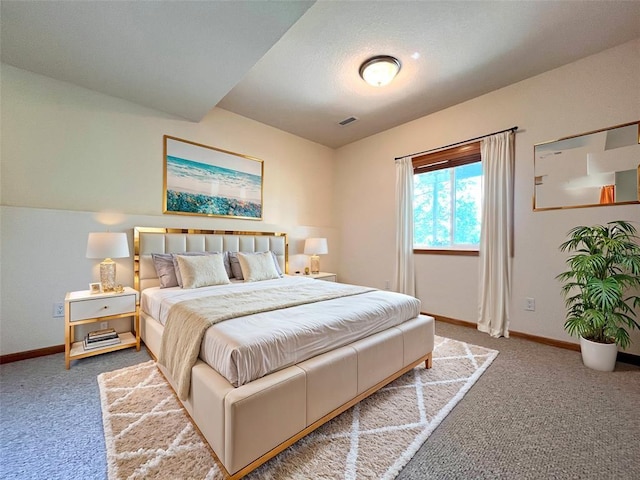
column 107, row 245
column 315, row 247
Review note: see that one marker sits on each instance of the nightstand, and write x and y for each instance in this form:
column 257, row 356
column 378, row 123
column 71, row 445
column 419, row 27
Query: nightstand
column 326, row 276
column 83, row 307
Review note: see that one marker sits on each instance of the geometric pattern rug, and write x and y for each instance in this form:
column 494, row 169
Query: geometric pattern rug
column 149, row 435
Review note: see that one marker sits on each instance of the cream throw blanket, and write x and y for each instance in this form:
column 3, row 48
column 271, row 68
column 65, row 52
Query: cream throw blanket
column 188, row 321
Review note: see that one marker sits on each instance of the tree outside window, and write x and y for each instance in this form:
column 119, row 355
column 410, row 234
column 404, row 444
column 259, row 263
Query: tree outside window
column 447, row 200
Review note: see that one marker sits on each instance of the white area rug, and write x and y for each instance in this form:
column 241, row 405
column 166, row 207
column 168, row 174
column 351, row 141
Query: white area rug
column 149, row 435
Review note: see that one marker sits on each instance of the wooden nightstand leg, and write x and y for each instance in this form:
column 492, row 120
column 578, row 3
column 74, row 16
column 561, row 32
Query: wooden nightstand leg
column 67, row 348
column 136, row 324
column 68, row 336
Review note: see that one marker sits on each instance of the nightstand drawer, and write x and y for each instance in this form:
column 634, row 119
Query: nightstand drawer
column 327, row 278
column 101, row 307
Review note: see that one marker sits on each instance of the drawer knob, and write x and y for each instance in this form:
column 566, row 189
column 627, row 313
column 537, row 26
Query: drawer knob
column 105, row 307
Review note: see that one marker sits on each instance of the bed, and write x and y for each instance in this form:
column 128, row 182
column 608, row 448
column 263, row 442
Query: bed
column 348, row 342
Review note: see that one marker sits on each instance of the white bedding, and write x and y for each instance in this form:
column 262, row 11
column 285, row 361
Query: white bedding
column 249, row 347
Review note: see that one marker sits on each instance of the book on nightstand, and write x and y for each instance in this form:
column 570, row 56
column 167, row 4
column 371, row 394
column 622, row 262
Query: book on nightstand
column 102, row 340
column 107, row 333
column 104, row 331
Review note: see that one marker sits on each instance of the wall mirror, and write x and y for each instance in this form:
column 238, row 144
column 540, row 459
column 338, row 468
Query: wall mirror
column 592, row 169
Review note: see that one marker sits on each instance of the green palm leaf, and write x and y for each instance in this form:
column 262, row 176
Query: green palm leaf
column 600, row 287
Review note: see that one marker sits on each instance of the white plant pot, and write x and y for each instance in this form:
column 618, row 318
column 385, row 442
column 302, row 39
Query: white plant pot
column 598, row 356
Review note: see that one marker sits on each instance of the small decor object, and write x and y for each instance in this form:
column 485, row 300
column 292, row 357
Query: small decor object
column 315, row 247
column 202, row 180
column 118, row 288
column 107, row 245
column 601, row 288
column 306, row 270
column 95, row 287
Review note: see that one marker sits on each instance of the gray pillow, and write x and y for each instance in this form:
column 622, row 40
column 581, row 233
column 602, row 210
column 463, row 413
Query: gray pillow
column 237, row 269
column 165, row 269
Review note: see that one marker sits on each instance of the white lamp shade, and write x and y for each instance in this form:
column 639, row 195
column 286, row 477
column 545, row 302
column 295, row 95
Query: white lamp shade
column 107, row 245
column 315, row 246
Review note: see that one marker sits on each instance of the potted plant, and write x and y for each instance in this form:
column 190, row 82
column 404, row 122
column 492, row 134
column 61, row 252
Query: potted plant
column 601, row 289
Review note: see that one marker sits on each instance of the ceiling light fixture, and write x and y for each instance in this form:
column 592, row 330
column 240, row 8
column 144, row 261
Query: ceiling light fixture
column 379, row 71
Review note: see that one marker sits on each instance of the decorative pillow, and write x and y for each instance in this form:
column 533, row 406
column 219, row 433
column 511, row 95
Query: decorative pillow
column 192, row 254
column 227, row 263
column 275, row 260
column 165, row 269
column 237, row 269
column 202, row 270
column 257, row 266
column 176, row 266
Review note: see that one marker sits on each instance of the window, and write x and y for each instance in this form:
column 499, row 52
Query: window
column 447, row 199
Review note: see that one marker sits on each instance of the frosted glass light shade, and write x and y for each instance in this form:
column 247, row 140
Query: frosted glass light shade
column 379, row 71
column 107, row 245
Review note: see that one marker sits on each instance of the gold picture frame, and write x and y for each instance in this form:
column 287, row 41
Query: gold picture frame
column 593, row 169
column 208, row 181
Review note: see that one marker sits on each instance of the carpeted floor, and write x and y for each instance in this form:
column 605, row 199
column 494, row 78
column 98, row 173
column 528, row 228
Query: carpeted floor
column 537, row 413
column 50, row 418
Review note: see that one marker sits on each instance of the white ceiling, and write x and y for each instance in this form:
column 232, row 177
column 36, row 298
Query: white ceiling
column 294, row 64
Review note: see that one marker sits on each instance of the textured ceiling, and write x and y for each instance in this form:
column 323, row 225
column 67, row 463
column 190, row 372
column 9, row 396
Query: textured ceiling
column 175, row 56
column 294, row 65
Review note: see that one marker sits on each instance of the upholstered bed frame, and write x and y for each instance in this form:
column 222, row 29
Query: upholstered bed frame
column 248, row 425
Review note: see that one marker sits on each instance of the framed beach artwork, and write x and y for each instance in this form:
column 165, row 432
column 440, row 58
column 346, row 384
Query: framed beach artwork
column 202, row 180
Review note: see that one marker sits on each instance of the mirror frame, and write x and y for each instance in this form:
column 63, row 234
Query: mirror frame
column 565, row 207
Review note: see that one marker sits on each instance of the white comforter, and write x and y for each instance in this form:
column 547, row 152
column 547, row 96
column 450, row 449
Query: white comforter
column 249, row 347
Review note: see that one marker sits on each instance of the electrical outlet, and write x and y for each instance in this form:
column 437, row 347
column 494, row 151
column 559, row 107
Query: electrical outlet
column 386, row 285
column 58, row 310
column 104, row 325
column 530, row 304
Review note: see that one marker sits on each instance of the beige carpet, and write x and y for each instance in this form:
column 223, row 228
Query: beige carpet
column 149, row 435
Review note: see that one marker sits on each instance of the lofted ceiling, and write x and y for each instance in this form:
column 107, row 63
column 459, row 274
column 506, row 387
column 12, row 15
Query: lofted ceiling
column 294, row 64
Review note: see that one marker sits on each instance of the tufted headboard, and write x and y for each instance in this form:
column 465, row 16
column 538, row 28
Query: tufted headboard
column 148, row 240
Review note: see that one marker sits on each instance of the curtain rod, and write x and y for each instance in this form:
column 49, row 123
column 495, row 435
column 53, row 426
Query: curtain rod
column 458, row 143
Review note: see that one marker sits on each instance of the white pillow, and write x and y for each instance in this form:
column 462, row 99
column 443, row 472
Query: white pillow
column 202, row 271
column 257, row 266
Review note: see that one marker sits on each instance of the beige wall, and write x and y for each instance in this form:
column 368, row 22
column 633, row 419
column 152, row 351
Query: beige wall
column 75, row 161
column 590, row 94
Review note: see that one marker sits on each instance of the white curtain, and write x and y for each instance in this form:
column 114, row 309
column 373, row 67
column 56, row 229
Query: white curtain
column 405, row 272
column 496, row 234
